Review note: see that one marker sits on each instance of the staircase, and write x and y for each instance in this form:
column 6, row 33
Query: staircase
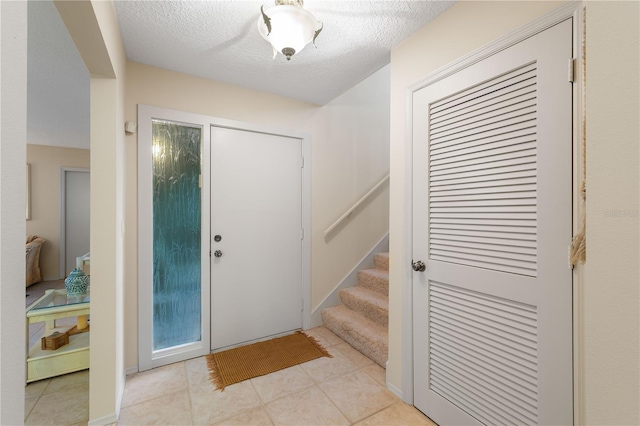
column 363, row 318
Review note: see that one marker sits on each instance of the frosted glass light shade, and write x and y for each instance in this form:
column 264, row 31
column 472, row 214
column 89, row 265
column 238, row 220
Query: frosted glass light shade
column 292, row 27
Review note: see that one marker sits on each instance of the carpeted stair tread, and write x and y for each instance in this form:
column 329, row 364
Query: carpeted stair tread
column 363, row 318
column 374, row 279
column 368, row 337
column 368, row 303
column 382, row 261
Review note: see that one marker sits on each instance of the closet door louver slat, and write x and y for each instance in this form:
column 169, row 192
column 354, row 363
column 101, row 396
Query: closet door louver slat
column 483, row 175
column 483, row 354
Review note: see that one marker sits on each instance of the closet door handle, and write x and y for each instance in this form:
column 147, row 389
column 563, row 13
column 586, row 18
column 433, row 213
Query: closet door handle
column 418, row 266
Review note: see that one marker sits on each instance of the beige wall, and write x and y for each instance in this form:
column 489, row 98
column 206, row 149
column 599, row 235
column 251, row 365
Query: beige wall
column 464, row 27
column 349, row 155
column 167, row 89
column 93, row 26
column 46, row 162
column 108, row 229
column 611, row 286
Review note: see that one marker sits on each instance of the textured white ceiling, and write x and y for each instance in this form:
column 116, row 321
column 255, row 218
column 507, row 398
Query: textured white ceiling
column 57, row 82
column 219, row 40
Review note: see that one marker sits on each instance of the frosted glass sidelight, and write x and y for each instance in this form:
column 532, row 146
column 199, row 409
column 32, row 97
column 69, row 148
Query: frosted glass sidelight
column 176, row 151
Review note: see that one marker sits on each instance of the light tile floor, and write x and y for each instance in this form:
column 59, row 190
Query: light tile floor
column 348, row 389
column 63, row 400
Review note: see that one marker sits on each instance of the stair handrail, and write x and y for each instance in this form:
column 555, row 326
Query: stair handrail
column 362, row 199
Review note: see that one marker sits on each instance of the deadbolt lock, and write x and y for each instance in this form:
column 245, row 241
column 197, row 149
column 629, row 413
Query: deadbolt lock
column 217, row 253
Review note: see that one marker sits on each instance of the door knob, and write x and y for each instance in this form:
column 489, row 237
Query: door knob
column 217, row 253
column 418, row 266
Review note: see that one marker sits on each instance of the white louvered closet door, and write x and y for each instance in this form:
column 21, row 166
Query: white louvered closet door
column 492, row 218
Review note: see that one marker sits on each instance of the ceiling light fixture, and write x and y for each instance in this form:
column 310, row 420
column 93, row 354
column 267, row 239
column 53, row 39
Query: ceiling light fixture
column 288, row 27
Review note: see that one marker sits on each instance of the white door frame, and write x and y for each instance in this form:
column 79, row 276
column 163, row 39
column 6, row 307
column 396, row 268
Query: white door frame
column 145, row 236
column 62, row 244
column 147, row 359
column 566, row 11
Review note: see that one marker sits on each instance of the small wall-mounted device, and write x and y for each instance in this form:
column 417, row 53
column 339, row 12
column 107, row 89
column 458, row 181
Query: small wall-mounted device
column 130, row 127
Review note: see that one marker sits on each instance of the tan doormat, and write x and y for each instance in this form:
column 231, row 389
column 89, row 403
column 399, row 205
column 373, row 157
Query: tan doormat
column 239, row 364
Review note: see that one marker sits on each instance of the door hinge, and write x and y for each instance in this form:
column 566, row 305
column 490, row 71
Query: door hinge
column 301, row 305
column 302, row 234
column 209, row 253
column 572, row 70
column 302, row 162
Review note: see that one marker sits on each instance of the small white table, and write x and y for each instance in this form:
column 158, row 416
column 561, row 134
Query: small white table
column 74, row 356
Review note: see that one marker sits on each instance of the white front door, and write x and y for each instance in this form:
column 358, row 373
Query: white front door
column 492, row 223
column 256, row 235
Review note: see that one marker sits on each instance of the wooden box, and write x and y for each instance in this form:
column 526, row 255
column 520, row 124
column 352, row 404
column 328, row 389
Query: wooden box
column 55, row 341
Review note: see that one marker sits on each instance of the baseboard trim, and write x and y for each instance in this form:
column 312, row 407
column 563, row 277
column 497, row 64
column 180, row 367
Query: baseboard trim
column 131, row 370
column 120, row 394
column 394, row 390
column 351, row 280
column 109, row 419
column 397, row 392
column 112, row 419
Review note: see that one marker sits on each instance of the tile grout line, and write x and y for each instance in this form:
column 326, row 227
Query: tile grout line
column 186, row 373
column 262, row 405
column 37, row 397
column 334, row 404
column 154, row 398
column 372, row 414
column 379, row 411
column 332, row 378
column 40, row 399
column 314, row 383
column 358, row 368
column 34, row 406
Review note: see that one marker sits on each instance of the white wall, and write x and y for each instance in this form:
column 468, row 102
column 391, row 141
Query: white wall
column 464, row 27
column 13, row 139
column 58, row 89
column 611, row 286
column 349, row 155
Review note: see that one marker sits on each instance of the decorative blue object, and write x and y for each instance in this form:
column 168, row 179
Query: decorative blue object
column 77, row 282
